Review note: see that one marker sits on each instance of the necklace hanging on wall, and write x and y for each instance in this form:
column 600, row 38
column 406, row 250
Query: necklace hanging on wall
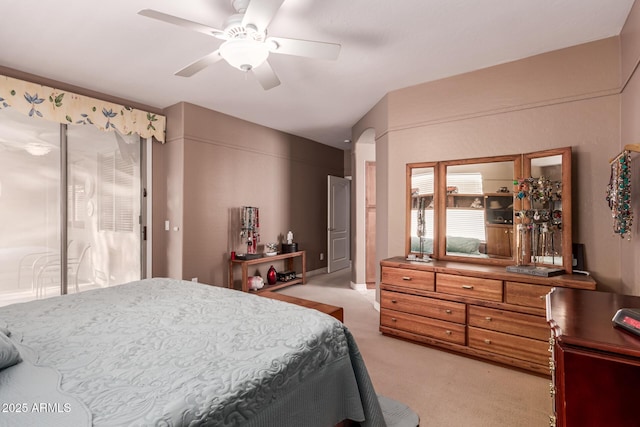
column 619, row 194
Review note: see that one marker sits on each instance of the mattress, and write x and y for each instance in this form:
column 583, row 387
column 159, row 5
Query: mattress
column 178, row 353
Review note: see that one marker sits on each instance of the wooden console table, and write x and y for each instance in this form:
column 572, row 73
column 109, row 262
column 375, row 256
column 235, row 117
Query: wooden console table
column 245, row 263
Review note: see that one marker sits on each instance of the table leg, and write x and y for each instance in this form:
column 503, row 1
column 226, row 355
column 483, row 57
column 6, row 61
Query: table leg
column 245, row 277
column 304, row 267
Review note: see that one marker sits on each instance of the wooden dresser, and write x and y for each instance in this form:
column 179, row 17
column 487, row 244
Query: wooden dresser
column 479, row 310
column 595, row 366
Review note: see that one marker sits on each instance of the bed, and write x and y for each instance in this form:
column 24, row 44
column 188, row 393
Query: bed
column 177, row 353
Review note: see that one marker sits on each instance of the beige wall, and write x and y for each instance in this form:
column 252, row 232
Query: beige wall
column 569, row 97
column 168, row 198
column 213, row 165
column 630, row 134
column 371, row 129
column 364, row 151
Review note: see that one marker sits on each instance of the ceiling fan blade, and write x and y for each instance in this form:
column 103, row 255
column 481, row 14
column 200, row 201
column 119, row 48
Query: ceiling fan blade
column 200, row 64
column 261, row 12
column 185, row 23
column 306, row 48
column 266, row 76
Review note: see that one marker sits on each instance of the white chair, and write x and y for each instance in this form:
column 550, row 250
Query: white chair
column 49, row 272
column 32, row 262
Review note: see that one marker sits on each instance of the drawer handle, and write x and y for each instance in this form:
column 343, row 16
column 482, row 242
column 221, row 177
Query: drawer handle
column 393, row 319
column 488, row 319
column 542, row 296
column 487, row 341
column 467, row 286
column 407, row 278
column 448, row 311
column 394, row 301
column 448, row 332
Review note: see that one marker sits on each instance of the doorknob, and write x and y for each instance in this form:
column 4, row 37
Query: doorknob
column 331, row 229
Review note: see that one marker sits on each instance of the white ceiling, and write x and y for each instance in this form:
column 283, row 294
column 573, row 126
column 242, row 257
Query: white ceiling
column 386, row 45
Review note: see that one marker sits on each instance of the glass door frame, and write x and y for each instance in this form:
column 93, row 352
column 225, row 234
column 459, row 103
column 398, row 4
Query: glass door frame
column 144, row 200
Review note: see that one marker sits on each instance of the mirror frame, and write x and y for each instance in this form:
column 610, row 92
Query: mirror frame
column 567, row 238
column 410, row 167
column 522, row 168
column 442, row 205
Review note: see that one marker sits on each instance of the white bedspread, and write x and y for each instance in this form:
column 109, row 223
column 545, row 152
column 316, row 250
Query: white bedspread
column 178, row 353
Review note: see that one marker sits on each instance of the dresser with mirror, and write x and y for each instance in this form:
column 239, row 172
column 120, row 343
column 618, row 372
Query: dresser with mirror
column 486, row 240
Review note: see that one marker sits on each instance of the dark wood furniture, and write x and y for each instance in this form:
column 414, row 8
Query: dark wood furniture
column 595, row 366
column 289, row 257
column 479, row 310
column 331, row 310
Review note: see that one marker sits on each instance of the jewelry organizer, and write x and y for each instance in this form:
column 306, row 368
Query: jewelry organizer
column 250, row 228
column 539, row 220
column 619, row 191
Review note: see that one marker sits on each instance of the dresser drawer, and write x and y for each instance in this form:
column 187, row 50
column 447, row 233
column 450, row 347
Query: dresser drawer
column 510, row 345
column 526, row 325
column 474, row 287
column 526, row 294
column 413, row 279
column 423, row 306
column 426, row 326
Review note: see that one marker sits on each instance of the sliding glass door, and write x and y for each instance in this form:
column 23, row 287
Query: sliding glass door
column 97, row 216
column 103, row 213
column 29, row 204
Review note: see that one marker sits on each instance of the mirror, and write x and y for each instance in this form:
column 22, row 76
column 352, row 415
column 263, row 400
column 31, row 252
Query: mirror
column 469, row 210
column 479, row 208
column 421, row 184
column 546, row 209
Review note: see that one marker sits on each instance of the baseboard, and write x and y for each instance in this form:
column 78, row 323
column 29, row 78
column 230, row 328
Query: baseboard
column 360, row 287
column 317, row 272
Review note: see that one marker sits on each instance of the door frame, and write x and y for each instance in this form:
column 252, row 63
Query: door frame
column 370, row 224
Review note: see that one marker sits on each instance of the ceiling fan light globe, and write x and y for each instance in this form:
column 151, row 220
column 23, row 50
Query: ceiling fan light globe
column 37, row 149
column 244, row 54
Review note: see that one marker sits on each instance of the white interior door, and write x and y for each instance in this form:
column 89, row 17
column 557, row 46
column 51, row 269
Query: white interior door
column 339, row 195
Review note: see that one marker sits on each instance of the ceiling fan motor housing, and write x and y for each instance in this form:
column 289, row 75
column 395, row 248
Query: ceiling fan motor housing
column 244, row 47
column 235, row 30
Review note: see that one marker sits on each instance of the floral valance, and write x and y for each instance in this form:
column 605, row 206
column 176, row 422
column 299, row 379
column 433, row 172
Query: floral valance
column 66, row 107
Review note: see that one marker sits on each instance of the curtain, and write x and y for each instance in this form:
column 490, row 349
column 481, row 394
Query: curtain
column 66, row 107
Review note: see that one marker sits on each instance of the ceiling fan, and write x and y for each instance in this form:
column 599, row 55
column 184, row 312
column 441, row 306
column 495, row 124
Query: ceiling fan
column 246, row 45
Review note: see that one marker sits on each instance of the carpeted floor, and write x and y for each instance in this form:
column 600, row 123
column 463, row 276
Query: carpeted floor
column 445, row 389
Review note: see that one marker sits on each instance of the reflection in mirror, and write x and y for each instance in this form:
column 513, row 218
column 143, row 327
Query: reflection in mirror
column 422, row 184
column 479, row 210
column 542, row 212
